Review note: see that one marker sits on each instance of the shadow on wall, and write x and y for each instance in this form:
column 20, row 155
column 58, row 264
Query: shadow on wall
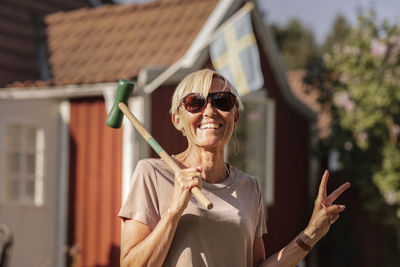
column 113, row 257
column 72, row 248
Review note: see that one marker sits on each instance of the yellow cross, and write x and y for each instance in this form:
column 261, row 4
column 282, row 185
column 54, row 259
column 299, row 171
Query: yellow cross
column 231, row 57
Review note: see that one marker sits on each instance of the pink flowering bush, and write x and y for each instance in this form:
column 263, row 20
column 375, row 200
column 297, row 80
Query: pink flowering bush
column 361, row 87
column 378, row 48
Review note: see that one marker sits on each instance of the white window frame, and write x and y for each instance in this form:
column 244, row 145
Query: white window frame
column 22, row 177
column 267, row 182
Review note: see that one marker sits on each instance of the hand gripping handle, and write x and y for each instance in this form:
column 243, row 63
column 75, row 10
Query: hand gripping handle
column 161, row 152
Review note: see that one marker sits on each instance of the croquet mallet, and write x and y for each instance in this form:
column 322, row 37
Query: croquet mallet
column 114, row 120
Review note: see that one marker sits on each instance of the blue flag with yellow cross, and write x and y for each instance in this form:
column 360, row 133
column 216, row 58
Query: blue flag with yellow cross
column 234, row 54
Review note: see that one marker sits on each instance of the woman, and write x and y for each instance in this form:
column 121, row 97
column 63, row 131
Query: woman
column 164, row 226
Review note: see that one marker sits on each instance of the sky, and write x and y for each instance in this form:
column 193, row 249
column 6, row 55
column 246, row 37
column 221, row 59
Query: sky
column 319, row 15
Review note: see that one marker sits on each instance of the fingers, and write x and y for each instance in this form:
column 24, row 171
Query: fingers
column 333, row 218
column 194, row 182
column 333, row 213
column 188, row 178
column 334, row 209
column 185, row 180
column 322, row 185
column 335, row 194
column 322, row 195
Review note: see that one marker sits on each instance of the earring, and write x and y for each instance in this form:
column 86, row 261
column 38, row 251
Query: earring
column 236, row 144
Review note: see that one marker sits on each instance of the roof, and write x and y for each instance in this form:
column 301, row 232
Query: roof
column 102, row 45
column 93, row 46
column 20, row 32
column 105, row 44
column 309, row 96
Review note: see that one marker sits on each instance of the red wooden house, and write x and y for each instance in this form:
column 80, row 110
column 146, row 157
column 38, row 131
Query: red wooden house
column 32, row 216
column 77, row 171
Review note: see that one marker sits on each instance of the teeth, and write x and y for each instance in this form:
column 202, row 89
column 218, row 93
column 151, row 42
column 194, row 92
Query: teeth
column 209, row 126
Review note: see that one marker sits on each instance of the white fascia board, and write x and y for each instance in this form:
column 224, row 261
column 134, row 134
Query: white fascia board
column 62, row 92
column 220, row 12
column 146, row 75
column 272, row 53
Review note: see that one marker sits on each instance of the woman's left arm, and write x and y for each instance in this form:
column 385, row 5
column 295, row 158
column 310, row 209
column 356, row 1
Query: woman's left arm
column 325, row 213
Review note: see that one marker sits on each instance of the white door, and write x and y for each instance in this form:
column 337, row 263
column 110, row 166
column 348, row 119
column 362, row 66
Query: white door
column 29, row 178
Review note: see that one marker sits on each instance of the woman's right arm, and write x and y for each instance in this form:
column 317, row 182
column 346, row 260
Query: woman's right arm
column 143, row 246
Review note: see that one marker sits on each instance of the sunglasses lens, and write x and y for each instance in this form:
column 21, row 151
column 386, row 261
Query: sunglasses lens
column 194, row 103
column 224, row 101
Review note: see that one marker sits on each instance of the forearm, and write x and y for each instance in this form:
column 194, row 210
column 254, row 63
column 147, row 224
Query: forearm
column 325, row 213
column 153, row 250
column 290, row 255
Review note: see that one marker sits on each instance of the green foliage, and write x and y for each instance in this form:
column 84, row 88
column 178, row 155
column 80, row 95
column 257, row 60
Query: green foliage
column 340, row 31
column 366, row 100
column 359, row 81
column 296, row 43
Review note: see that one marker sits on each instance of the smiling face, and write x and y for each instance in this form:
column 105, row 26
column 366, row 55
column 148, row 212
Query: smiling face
column 211, row 128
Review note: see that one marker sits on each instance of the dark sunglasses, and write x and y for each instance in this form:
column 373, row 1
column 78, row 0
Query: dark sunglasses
column 195, row 103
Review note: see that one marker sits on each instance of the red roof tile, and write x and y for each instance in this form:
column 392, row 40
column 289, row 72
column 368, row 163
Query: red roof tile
column 93, row 45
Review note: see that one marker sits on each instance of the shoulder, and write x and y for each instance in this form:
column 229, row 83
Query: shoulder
column 243, row 178
column 153, row 167
column 151, row 164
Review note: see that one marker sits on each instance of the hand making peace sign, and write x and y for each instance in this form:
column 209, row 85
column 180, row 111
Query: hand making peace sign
column 325, row 213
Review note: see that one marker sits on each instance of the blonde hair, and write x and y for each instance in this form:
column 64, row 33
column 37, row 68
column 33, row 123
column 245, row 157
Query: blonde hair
column 199, row 82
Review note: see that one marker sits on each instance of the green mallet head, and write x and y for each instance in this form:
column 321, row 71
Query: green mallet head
column 124, row 90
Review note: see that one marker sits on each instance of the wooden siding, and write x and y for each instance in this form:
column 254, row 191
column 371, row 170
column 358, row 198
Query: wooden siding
column 161, row 125
column 95, row 186
column 290, row 212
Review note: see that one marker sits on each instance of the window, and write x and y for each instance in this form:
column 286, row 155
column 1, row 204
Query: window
column 23, row 162
column 255, row 133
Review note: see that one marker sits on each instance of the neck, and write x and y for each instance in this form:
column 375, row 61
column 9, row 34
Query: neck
column 212, row 163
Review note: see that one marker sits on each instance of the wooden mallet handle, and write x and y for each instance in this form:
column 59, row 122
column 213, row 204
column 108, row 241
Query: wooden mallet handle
column 161, row 152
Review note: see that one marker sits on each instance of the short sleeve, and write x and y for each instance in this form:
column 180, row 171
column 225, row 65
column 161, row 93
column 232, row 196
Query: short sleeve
column 261, row 227
column 142, row 201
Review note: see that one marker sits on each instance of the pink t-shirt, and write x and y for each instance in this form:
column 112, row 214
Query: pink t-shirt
column 223, row 236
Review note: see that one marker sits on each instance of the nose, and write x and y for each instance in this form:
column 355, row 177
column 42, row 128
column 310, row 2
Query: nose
column 209, row 110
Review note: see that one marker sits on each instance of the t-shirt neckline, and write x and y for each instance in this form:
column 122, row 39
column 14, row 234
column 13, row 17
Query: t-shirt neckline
column 225, row 183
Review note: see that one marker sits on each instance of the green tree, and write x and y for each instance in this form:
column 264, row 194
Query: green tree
column 317, row 73
column 339, row 33
column 359, row 82
column 296, row 43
